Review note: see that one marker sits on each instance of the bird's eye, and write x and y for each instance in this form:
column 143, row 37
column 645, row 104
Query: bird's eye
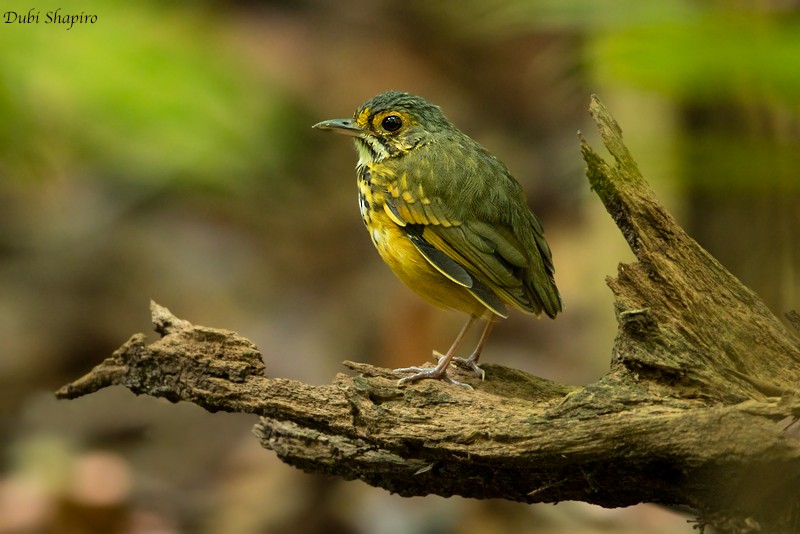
column 391, row 123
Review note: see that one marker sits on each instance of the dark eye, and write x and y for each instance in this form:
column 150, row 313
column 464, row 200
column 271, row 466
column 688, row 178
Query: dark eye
column 391, row 123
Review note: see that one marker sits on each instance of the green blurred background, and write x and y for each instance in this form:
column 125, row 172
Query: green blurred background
column 165, row 152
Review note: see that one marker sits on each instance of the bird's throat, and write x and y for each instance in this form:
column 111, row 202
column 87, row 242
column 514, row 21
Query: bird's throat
column 370, row 150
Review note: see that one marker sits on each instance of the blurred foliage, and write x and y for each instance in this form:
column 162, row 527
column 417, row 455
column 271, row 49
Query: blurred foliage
column 496, row 19
column 740, row 52
column 148, row 93
column 729, row 66
column 725, row 162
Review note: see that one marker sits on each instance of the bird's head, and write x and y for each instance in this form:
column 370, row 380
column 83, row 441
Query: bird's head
column 390, row 125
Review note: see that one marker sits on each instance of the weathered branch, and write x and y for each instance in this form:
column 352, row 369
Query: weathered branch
column 696, row 409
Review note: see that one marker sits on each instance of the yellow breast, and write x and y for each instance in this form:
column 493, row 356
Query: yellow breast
column 403, row 257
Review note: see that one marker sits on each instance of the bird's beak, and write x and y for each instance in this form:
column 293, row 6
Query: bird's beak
column 341, row 126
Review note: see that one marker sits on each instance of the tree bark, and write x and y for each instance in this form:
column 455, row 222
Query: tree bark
column 697, row 409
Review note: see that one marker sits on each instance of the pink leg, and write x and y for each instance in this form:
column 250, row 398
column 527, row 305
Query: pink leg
column 440, row 371
column 472, row 361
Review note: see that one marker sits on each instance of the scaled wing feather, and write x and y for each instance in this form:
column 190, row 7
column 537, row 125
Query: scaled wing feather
column 475, row 255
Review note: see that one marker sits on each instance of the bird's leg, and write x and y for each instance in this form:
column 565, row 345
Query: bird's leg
column 440, row 371
column 472, row 361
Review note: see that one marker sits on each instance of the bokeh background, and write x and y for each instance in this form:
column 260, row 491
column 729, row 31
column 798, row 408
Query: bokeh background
column 165, row 152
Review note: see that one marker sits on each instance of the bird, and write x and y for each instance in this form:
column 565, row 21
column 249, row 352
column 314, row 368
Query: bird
column 448, row 218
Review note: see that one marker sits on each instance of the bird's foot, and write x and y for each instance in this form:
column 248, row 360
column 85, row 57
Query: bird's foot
column 423, row 373
column 439, row 372
column 470, row 363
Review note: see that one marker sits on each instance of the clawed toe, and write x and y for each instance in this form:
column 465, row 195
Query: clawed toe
column 424, row 373
column 470, row 363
